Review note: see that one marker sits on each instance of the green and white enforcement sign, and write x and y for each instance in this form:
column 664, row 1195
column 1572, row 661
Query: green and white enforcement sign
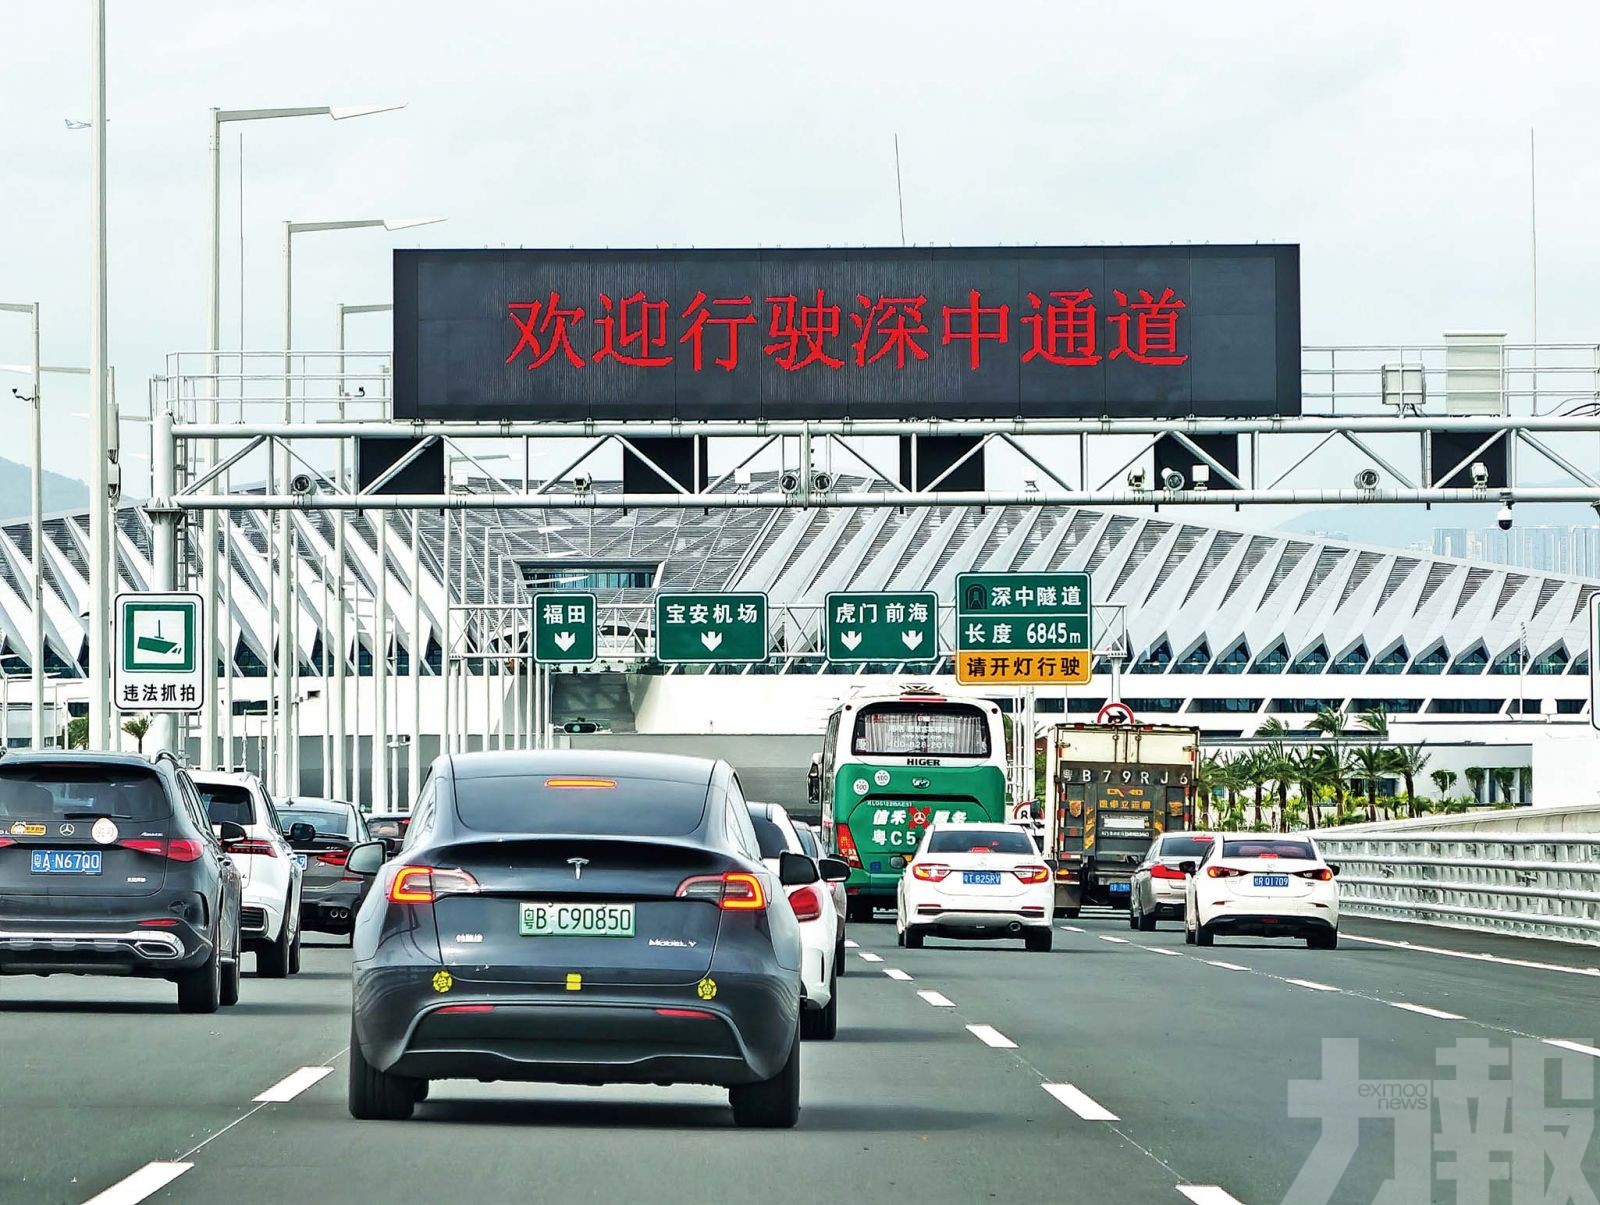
column 157, row 639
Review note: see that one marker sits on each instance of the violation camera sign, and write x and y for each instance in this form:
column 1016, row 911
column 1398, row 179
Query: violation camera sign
column 157, row 667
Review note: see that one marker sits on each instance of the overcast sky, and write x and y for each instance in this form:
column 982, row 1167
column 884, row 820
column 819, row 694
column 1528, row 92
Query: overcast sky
column 1389, row 139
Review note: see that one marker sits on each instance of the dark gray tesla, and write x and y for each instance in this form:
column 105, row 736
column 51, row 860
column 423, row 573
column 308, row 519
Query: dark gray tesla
column 586, row 917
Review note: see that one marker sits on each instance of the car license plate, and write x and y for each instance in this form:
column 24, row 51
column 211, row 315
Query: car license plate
column 1271, row 880
column 1117, row 888
column 981, row 878
column 575, row 920
column 300, row 861
column 65, row 861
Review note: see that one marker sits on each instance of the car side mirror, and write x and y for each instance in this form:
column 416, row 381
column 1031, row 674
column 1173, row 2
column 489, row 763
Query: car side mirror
column 834, row 870
column 366, row 859
column 1333, row 869
column 301, row 832
column 1188, row 868
column 228, row 831
column 797, row 870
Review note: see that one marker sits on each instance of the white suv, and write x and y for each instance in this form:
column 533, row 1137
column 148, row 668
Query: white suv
column 269, row 920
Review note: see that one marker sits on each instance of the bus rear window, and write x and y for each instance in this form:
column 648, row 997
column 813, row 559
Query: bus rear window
column 920, row 729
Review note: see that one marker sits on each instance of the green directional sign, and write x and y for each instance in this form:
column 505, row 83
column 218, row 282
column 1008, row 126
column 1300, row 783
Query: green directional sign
column 1026, row 629
column 882, row 627
column 563, row 627
column 700, row 628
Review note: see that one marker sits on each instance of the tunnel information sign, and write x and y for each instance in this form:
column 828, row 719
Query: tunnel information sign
column 706, row 628
column 1024, row 629
column 564, row 628
column 882, row 626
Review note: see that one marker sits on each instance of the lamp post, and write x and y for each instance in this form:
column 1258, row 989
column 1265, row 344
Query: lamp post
column 208, row 557
column 36, row 517
column 102, row 507
column 287, row 759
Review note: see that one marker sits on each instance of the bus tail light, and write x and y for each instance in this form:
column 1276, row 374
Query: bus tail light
column 847, row 846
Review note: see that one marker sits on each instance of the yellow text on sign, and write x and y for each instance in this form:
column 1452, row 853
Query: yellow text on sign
column 1061, row 667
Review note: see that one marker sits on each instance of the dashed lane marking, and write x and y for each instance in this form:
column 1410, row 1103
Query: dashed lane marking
column 1313, row 985
column 1436, row 1013
column 1121, row 941
column 868, row 956
column 897, row 973
column 1227, row 966
column 1208, row 1194
column 938, row 999
column 1163, row 950
column 1576, row 1047
column 990, row 1036
column 291, row 1085
column 148, row 1180
column 1080, row 1103
column 849, row 944
column 1071, row 928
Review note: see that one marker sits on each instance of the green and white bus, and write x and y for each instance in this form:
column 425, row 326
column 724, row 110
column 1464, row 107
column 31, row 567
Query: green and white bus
column 891, row 763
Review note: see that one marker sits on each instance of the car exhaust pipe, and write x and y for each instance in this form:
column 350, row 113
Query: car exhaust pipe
column 339, row 913
column 1014, row 927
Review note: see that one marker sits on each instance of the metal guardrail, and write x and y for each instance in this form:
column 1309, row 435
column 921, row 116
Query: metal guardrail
column 1528, row 884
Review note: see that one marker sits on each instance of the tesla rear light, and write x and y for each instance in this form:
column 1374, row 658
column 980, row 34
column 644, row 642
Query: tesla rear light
column 424, row 884
column 581, row 784
column 734, row 891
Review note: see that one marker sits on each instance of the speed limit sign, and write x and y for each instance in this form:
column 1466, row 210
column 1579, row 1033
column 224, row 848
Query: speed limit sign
column 1115, row 713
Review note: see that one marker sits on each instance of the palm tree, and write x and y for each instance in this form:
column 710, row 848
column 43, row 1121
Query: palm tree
column 78, row 732
column 1277, row 766
column 1208, row 779
column 1408, row 761
column 1444, row 782
column 1330, row 722
column 1475, row 781
column 1305, row 766
column 1376, row 721
column 1371, row 762
column 136, row 726
column 1333, row 724
column 1504, row 778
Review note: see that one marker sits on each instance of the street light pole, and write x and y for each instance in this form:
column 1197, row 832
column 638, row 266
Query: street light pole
column 208, row 558
column 101, row 504
column 35, row 520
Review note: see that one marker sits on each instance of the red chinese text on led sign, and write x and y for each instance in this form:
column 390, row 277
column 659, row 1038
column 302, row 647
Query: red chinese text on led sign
column 1066, row 327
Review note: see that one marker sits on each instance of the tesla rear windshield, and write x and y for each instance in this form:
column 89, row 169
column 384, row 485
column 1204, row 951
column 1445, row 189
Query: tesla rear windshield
column 227, row 804
column 1185, row 847
column 1267, row 849
column 980, row 840
column 82, row 792
column 586, row 805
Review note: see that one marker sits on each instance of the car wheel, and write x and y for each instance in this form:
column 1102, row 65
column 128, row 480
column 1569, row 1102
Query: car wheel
column 1071, row 913
column 200, row 990
column 294, row 953
column 421, row 1089
column 912, row 938
column 1204, row 936
column 272, row 960
column 1039, row 941
column 1323, row 941
column 839, row 963
column 229, row 992
column 1188, row 931
column 822, row 1024
column 376, row 1095
column 772, row 1104
column 1147, row 922
column 1133, row 916
column 859, row 910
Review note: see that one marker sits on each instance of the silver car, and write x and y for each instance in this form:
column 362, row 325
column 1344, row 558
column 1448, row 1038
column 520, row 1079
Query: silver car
column 1157, row 889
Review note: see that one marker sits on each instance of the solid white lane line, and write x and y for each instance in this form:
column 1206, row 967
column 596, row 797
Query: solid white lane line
column 1227, row 966
column 1208, row 1194
column 1312, row 984
column 1576, row 1047
column 1080, row 1103
column 990, row 1036
column 1070, row 928
column 1121, row 941
column 868, row 956
column 850, row 945
column 938, row 999
column 148, row 1180
column 291, row 1085
column 897, row 973
column 1593, row 972
column 1438, row 1014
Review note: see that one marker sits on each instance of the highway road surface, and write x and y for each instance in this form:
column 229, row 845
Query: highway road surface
column 1121, row 1067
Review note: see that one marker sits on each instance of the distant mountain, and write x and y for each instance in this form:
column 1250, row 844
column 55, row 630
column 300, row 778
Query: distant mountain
column 16, row 492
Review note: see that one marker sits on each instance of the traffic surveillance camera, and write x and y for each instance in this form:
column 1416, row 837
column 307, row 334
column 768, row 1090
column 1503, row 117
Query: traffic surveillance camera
column 1504, row 517
column 300, row 484
column 1171, row 479
column 1367, row 479
column 789, row 482
column 582, row 483
column 1138, row 480
column 821, row 482
column 1480, row 475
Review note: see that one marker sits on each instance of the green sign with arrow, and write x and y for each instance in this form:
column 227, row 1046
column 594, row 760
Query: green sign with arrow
column 882, row 627
column 563, row 628
column 705, row 628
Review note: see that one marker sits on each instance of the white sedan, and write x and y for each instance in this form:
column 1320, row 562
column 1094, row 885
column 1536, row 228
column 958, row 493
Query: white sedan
column 269, row 917
column 1262, row 886
column 821, row 946
column 976, row 881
